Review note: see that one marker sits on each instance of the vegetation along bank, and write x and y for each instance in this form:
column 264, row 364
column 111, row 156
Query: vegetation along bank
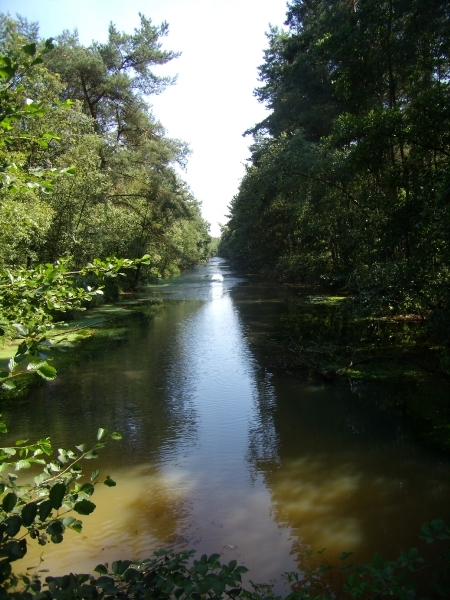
column 347, row 187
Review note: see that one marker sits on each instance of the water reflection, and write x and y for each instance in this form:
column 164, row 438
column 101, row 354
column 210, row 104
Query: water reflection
column 222, row 456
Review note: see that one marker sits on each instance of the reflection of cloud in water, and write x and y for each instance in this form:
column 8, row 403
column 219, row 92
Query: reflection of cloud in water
column 315, row 501
column 138, row 374
column 158, row 512
column 146, row 511
column 322, row 503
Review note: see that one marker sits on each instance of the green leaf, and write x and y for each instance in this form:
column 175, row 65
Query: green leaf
column 29, row 512
column 9, row 451
column 87, row 488
column 73, row 523
column 55, row 530
column 101, row 434
column 6, row 72
column 437, row 524
column 91, row 454
column 120, row 566
column 101, row 569
column 29, row 49
column 21, row 330
column 115, row 435
column 95, row 474
column 47, row 372
column 9, row 385
column 13, row 525
column 57, row 494
column 9, row 502
column 84, row 507
column 109, row 482
column 22, row 464
column 77, row 526
column 35, row 364
column 45, row 509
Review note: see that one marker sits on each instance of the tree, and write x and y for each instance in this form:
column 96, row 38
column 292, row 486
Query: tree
column 366, row 85
column 111, row 79
column 122, row 194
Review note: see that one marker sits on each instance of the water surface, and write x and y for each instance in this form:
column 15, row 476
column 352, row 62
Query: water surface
column 221, row 455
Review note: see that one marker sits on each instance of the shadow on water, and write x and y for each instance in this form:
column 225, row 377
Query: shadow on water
column 222, row 455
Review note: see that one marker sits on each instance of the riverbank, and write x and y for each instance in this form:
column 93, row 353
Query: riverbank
column 390, row 363
column 81, row 336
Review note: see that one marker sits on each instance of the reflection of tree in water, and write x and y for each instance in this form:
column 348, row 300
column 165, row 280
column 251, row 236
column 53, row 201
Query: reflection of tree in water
column 341, row 475
column 263, row 438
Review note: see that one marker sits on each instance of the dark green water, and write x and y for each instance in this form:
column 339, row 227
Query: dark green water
column 221, row 455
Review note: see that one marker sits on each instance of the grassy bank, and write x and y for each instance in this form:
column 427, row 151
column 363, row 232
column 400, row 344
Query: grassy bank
column 81, row 336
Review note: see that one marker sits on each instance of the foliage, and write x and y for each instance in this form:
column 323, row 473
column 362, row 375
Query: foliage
column 13, row 108
column 30, row 297
column 348, row 178
column 88, row 171
column 41, row 510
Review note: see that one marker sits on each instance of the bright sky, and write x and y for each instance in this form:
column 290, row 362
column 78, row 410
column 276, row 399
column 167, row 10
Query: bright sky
column 212, row 104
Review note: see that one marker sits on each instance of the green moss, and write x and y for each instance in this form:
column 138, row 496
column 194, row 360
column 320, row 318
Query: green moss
column 326, row 300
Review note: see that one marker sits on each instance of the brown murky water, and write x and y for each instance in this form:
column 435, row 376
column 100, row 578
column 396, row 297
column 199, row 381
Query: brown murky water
column 220, row 455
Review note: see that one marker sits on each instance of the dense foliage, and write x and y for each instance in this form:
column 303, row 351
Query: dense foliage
column 349, row 176
column 86, row 169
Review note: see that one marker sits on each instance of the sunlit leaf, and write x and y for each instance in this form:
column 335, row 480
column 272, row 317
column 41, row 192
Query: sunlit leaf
column 47, row 372
column 22, row 464
column 95, row 474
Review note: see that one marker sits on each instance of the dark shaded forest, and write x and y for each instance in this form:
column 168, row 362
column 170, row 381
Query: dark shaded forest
column 348, row 184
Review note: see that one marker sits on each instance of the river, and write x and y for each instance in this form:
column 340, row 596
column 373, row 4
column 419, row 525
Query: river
column 219, row 454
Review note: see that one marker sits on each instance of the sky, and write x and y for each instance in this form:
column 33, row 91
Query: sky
column 212, row 103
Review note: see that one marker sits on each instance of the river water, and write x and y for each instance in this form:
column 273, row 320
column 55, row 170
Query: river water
column 219, row 454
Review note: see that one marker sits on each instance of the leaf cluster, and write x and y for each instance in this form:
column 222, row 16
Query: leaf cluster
column 28, row 301
column 41, row 510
